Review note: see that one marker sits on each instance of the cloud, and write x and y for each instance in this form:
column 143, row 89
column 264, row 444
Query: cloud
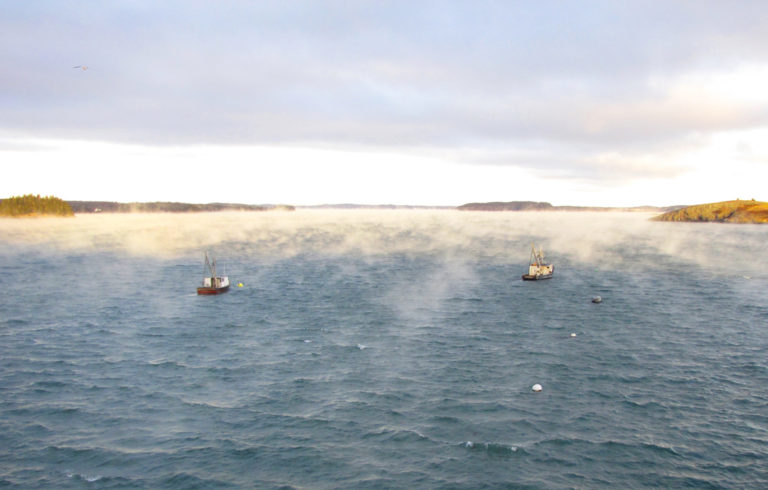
column 585, row 80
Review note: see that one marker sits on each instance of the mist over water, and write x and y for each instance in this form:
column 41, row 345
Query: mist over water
column 599, row 239
column 391, row 349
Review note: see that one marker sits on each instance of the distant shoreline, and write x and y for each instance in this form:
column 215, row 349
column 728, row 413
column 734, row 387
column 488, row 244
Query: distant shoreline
column 545, row 206
column 91, row 207
column 95, row 207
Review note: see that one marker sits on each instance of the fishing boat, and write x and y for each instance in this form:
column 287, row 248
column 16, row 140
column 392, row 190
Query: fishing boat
column 538, row 268
column 213, row 284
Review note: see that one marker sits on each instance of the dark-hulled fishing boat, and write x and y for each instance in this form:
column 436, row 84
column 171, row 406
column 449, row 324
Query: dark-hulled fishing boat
column 213, row 284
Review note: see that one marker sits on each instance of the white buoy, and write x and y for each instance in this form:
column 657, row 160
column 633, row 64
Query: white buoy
column 573, row 334
column 597, row 299
column 536, row 388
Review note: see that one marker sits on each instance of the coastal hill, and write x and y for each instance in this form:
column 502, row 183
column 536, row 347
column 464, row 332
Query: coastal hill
column 351, row 206
column 507, row 206
column 545, row 206
column 737, row 211
column 31, row 205
column 166, row 207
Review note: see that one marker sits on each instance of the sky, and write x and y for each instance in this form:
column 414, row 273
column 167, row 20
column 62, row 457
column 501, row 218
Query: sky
column 598, row 103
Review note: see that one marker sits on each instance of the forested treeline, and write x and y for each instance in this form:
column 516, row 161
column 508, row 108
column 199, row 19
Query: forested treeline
column 34, row 205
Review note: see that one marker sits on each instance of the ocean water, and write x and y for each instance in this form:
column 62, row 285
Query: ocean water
column 387, row 349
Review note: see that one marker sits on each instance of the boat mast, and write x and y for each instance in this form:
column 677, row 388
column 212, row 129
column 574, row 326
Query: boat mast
column 210, row 266
column 534, row 256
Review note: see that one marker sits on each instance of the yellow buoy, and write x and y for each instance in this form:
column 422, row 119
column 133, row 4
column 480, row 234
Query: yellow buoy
column 239, row 284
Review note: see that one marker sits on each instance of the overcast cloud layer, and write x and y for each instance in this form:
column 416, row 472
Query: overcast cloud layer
column 582, row 88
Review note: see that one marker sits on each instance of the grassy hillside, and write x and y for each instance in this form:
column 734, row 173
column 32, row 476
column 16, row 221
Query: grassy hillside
column 721, row 212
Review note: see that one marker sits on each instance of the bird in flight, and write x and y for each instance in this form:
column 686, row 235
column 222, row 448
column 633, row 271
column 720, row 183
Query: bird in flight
column 81, row 66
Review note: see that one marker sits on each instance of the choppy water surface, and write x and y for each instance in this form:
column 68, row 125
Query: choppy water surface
column 382, row 350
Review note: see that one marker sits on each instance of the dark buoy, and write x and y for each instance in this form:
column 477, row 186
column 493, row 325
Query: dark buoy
column 597, row 299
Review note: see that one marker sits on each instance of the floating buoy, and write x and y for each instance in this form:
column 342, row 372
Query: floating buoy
column 573, row 334
column 536, row 388
column 239, row 284
column 597, row 299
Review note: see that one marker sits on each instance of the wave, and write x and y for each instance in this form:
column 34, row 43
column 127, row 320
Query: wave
column 49, row 385
column 47, row 411
column 494, row 449
column 189, row 480
column 396, row 435
column 649, row 451
column 647, row 406
column 86, row 478
column 166, row 364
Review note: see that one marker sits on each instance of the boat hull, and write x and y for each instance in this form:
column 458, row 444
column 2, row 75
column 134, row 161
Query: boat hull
column 207, row 290
column 537, row 277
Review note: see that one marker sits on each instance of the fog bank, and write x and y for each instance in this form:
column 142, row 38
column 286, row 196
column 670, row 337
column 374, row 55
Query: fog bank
column 593, row 239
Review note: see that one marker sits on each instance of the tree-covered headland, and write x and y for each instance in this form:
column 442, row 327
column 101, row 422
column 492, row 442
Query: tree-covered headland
column 31, row 205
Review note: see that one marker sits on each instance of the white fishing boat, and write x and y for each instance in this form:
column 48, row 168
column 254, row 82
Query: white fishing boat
column 213, row 284
column 538, row 268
